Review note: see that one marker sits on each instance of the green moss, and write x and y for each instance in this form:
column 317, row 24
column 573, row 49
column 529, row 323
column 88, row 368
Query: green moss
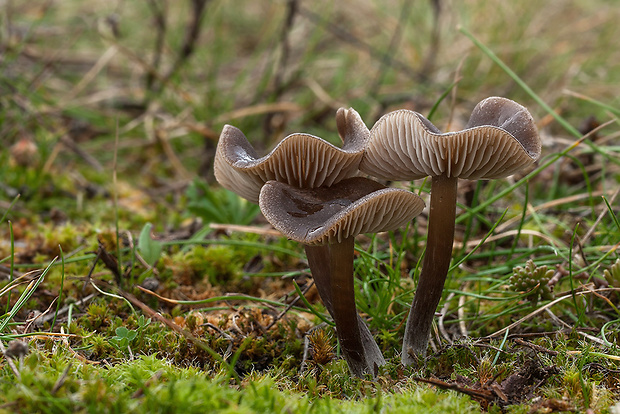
column 217, row 264
column 98, row 316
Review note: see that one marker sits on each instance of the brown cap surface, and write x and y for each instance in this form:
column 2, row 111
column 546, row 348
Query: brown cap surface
column 500, row 139
column 332, row 214
column 301, row 160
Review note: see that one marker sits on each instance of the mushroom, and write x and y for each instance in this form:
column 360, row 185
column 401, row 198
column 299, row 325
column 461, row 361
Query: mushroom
column 301, row 160
column 500, row 139
column 326, row 220
column 309, row 162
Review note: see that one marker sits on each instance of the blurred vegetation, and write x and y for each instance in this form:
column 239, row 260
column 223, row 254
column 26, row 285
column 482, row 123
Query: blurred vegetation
column 109, row 117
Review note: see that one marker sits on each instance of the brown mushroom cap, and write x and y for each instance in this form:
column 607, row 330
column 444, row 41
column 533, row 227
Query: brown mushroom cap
column 332, row 214
column 500, row 139
column 301, row 160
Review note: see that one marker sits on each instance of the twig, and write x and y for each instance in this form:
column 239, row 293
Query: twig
column 482, row 394
column 587, row 236
column 433, row 49
column 344, row 35
column 61, row 380
column 258, row 110
column 440, row 323
column 6, row 271
column 230, row 339
column 64, row 309
column 461, row 315
column 474, row 243
column 304, row 357
column 285, row 47
column 101, row 63
column 234, row 325
column 89, row 159
column 557, row 320
column 535, row 347
column 30, row 322
column 189, row 42
column 546, row 306
column 245, row 229
column 288, row 308
column 9, row 361
column 174, row 160
column 170, row 324
column 405, row 11
column 159, row 14
column 140, row 391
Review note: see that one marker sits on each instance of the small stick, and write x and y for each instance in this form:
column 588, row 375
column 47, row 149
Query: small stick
column 547, row 306
column 440, row 323
column 61, row 380
column 140, row 391
column 9, row 361
column 483, row 394
column 289, row 307
column 599, row 218
column 461, row 313
column 535, row 347
column 64, row 309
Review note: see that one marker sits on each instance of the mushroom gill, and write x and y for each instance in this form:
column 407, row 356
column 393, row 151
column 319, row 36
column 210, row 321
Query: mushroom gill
column 301, row 160
column 500, row 139
column 497, row 142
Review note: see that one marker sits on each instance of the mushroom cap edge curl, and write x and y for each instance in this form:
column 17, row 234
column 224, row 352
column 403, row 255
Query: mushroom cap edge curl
column 301, row 160
column 500, row 139
column 331, row 214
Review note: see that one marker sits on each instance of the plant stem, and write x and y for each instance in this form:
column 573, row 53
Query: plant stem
column 332, row 269
column 434, row 267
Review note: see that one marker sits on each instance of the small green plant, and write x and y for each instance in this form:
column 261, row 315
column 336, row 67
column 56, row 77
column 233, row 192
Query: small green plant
column 533, row 280
column 149, row 249
column 124, row 337
column 220, row 206
column 612, row 275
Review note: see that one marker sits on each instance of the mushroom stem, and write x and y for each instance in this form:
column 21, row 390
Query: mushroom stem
column 332, row 269
column 434, row 267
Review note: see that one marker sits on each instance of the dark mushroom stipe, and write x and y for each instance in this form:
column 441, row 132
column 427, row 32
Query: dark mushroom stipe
column 434, row 267
column 326, row 220
column 332, row 268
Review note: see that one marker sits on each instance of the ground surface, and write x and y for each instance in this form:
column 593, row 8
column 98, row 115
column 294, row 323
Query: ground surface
column 131, row 282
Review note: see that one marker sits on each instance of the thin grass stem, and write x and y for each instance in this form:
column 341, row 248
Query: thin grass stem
column 62, row 284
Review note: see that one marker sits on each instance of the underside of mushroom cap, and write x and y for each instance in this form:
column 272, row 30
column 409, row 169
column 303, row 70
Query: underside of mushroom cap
column 331, row 214
column 301, row 160
column 501, row 138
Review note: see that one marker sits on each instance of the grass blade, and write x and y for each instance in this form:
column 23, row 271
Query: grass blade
column 25, row 296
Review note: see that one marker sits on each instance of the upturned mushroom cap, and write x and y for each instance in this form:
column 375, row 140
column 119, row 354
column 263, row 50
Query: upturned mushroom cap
column 331, row 214
column 500, row 139
column 301, row 160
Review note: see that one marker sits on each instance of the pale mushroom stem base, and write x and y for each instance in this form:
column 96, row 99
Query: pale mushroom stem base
column 434, row 267
column 332, row 269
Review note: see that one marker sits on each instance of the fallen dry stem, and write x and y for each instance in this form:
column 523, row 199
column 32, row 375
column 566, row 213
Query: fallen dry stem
column 9, row 361
column 61, row 380
column 599, row 218
column 548, row 305
column 554, row 203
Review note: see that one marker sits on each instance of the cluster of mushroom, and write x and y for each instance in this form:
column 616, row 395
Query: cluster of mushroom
column 313, row 193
